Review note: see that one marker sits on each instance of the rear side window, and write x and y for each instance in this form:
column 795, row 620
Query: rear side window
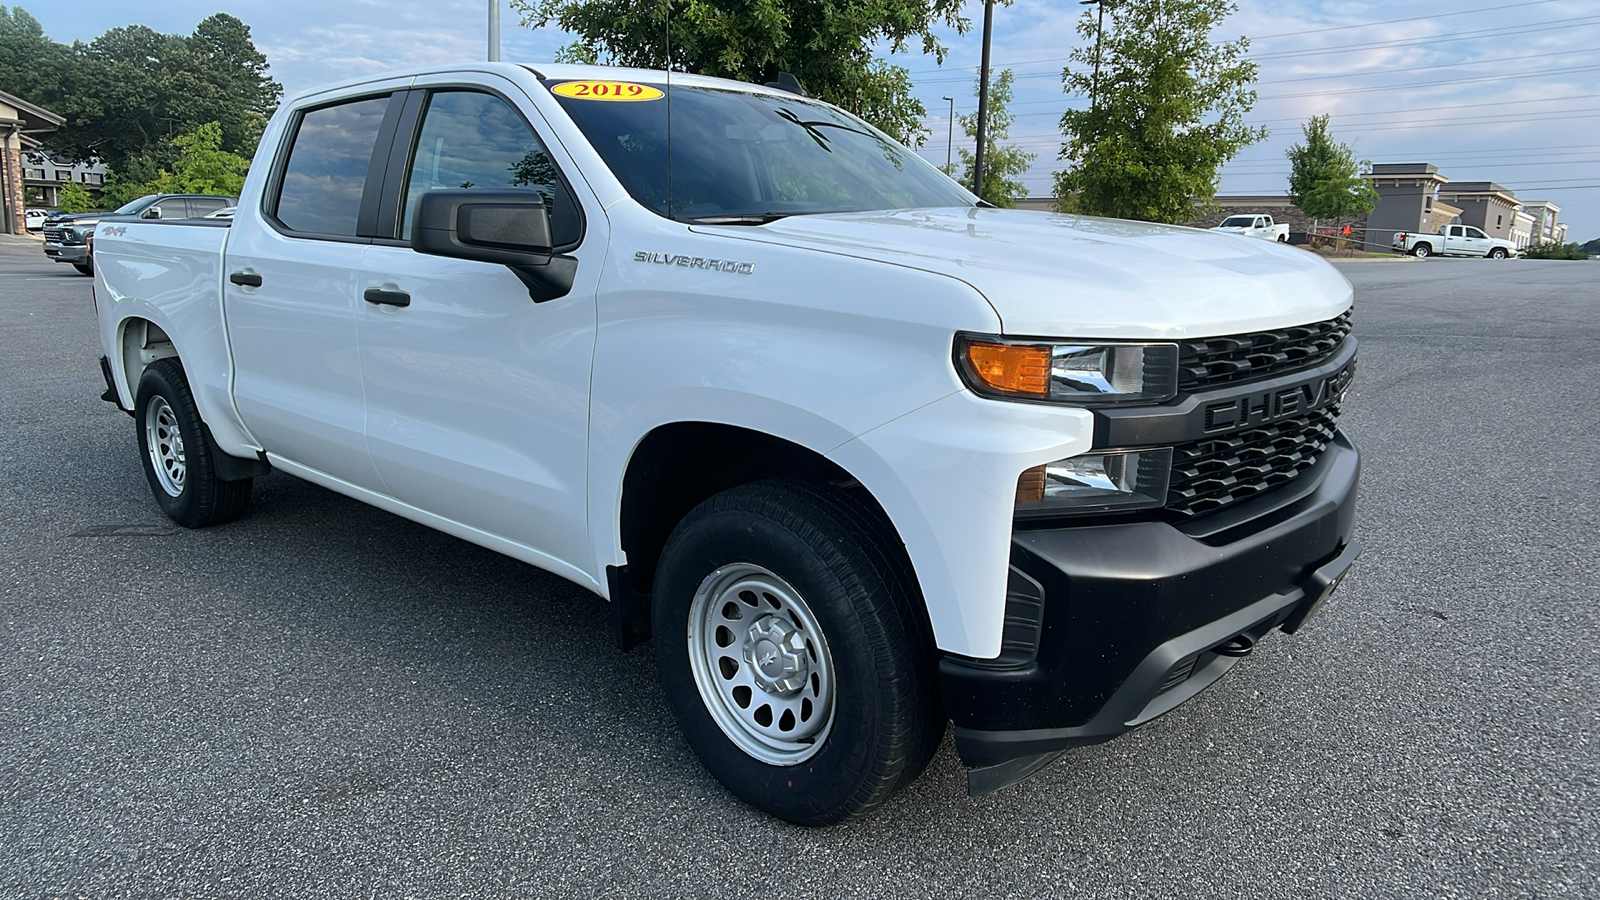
column 327, row 169
column 203, row 206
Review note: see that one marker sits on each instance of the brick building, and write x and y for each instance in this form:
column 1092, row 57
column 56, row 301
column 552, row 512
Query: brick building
column 19, row 120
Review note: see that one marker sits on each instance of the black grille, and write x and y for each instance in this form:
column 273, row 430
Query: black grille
column 1209, row 362
column 61, row 236
column 1214, row 472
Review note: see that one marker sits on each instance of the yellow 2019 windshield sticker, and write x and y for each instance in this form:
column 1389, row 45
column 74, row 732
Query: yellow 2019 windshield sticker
column 607, row 90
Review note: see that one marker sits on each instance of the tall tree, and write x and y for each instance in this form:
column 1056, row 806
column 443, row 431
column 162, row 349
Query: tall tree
column 129, row 91
column 827, row 44
column 1166, row 111
column 1003, row 164
column 1325, row 179
column 30, row 63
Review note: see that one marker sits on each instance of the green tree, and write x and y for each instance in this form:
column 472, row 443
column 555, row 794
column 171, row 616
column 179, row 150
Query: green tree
column 1003, row 164
column 31, row 64
column 828, row 45
column 1591, row 248
column 74, row 199
column 203, row 167
column 1166, row 112
column 126, row 93
column 1325, row 179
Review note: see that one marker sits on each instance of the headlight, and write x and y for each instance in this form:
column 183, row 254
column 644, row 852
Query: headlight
column 1108, row 481
column 1079, row 372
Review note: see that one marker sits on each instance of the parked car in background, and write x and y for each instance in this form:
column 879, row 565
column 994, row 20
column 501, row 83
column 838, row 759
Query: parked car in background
column 65, row 237
column 33, row 219
column 1453, row 240
column 1255, row 226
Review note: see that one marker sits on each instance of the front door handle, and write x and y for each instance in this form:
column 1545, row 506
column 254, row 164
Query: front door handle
column 245, row 279
column 382, row 297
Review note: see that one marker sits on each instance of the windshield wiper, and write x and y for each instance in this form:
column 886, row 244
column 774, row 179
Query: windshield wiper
column 753, row 219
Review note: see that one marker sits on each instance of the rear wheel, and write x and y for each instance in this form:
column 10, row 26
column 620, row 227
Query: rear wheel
column 177, row 452
column 792, row 651
column 1421, row 251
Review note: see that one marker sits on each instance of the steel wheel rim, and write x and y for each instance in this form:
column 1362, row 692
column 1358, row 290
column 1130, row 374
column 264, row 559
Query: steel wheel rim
column 761, row 664
column 164, row 442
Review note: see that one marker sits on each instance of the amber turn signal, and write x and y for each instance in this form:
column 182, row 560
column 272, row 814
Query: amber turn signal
column 1017, row 369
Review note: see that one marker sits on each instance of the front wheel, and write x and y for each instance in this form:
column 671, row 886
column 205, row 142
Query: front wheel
column 792, row 652
column 1497, row 253
column 84, row 268
column 1421, row 251
column 178, row 454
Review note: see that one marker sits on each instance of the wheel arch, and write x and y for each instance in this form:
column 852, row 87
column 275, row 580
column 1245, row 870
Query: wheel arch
column 139, row 342
column 678, row 465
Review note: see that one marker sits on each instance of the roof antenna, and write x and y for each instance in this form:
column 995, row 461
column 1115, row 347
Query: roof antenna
column 787, row 82
column 669, row 109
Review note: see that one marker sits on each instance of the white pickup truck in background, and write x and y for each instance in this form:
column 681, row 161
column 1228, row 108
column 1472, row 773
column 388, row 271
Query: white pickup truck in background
column 1255, row 226
column 861, row 455
column 1453, row 240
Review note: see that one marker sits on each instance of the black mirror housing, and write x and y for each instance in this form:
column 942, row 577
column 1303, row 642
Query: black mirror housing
column 510, row 227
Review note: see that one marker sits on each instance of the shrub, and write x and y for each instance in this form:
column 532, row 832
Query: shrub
column 1554, row 250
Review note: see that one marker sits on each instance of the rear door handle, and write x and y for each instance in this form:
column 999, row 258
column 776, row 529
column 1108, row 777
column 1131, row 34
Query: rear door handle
column 382, row 297
column 245, row 279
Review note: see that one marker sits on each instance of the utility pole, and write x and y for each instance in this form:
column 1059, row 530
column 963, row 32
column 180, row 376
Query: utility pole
column 1099, row 29
column 494, row 30
column 950, row 136
column 983, row 100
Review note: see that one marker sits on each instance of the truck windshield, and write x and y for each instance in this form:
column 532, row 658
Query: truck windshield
column 1238, row 222
column 743, row 158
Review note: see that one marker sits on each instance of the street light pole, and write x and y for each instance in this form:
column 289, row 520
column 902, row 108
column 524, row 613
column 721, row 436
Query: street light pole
column 950, row 136
column 983, row 100
column 494, row 30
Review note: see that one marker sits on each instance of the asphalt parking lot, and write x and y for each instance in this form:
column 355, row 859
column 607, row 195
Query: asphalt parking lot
column 324, row 700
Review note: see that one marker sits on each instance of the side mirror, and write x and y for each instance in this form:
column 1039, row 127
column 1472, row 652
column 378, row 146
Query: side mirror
column 509, row 227
column 153, row 212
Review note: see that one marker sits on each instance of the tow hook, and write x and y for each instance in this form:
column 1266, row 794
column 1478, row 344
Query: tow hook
column 1239, row 645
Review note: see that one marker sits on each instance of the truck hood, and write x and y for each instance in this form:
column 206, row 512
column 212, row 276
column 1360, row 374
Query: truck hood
column 1048, row 274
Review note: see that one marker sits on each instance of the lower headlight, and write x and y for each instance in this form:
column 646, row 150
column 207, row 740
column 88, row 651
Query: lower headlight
column 1108, row 481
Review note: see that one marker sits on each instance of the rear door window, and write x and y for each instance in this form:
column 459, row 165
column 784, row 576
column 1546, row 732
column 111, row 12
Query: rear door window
column 204, row 206
column 326, row 172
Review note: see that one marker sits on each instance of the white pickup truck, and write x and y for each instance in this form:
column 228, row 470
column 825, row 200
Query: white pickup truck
column 1255, row 226
column 862, row 455
column 1453, row 240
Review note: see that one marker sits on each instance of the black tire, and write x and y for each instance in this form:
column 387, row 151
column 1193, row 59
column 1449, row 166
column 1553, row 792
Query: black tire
column 1283, row 239
column 1421, row 251
column 1497, row 253
column 84, row 268
column 844, row 562
column 187, row 489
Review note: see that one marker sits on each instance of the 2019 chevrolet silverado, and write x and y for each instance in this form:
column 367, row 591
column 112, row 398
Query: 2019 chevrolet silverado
column 860, row 454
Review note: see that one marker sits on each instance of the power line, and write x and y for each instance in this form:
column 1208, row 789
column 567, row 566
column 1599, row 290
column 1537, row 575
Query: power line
column 1056, row 73
column 1395, row 87
column 1465, row 12
column 1448, row 37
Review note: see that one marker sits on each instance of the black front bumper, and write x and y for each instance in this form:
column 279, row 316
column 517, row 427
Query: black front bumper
column 1110, row 626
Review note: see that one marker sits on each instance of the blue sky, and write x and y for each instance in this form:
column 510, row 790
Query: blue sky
column 1507, row 92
